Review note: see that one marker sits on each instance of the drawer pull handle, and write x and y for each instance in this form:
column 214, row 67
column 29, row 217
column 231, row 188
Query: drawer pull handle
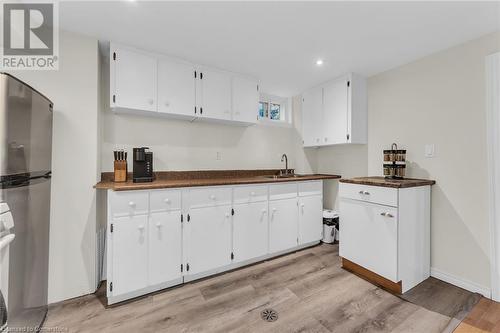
column 387, row 214
column 167, row 200
column 131, row 204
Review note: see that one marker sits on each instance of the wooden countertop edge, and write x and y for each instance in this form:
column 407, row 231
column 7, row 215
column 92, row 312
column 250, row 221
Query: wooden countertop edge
column 390, row 183
column 165, row 183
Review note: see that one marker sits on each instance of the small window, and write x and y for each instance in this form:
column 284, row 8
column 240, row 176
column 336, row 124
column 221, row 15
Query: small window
column 263, row 110
column 275, row 112
column 272, row 108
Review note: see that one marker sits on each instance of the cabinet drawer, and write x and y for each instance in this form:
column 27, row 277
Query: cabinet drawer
column 369, row 236
column 210, row 196
column 282, row 191
column 310, row 188
column 375, row 194
column 129, row 203
column 246, row 194
column 165, row 200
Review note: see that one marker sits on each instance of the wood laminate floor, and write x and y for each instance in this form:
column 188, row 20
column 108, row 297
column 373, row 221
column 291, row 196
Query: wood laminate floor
column 308, row 289
column 484, row 317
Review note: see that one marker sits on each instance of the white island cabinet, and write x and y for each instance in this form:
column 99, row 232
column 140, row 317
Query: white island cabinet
column 385, row 233
column 164, row 237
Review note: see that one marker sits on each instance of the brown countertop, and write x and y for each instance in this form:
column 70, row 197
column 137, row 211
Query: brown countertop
column 171, row 179
column 395, row 183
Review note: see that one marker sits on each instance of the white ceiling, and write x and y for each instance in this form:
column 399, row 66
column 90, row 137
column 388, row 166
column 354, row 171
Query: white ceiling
column 279, row 42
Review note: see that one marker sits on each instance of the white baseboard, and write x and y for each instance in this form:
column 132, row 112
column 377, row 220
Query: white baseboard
column 461, row 282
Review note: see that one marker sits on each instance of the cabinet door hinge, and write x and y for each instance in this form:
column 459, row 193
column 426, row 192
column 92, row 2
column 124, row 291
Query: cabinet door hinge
column 111, row 228
column 189, row 219
column 182, row 218
column 297, row 240
column 232, row 256
column 195, row 110
column 111, row 286
column 201, row 76
column 348, row 136
column 348, row 83
column 182, row 267
column 201, row 110
column 195, row 74
column 114, row 55
column 257, row 87
column 114, row 98
column 232, row 211
column 187, row 267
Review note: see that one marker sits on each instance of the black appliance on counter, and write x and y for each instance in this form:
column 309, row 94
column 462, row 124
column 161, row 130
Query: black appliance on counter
column 143, row 165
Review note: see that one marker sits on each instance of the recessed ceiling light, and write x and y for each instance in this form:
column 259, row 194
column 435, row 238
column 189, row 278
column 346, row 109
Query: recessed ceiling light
column 319, row 62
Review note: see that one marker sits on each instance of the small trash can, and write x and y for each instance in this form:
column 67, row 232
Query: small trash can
column 330, row 226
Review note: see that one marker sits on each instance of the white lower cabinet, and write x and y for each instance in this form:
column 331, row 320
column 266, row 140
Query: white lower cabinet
column 387, row 231
column 370, row 236
column 165, row 247
column 250, row 231
column 161, row 238
column 129, row 253
column 208, row 239
column 283, row 224
column 310, row 219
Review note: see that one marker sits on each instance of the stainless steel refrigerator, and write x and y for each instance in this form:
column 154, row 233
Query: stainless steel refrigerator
column 25, row 171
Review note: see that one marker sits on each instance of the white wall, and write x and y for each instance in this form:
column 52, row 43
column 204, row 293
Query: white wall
column 73, row 90
column 181, row 145
column 441, row 99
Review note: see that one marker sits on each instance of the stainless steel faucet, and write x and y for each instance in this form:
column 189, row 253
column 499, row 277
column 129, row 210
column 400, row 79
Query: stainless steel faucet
column 285, row 158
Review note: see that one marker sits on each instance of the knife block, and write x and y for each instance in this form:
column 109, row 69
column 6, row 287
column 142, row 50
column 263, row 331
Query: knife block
column 120, row 174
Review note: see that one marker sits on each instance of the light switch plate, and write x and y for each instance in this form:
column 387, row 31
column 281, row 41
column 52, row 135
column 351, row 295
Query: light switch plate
column 429, row 150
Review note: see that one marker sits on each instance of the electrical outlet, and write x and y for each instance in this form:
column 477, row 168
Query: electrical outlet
column 429, row 150
column 218, row 156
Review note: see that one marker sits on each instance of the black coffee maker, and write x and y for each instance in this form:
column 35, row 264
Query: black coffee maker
column 143, row 165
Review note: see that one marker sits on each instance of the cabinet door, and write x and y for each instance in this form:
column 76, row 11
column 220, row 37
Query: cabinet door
column 165, row 256
column 312, row 104
column 310, row 219
column 369, row 236
column 176, row 88
column 215, row 94
column 209, row 238
column 245, row 99
column 335, row 111
column 130, row 254
column 250, row 231
column 135, row 80
column 283, row 225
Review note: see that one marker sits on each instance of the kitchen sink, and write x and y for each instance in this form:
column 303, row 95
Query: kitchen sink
column 284, row 176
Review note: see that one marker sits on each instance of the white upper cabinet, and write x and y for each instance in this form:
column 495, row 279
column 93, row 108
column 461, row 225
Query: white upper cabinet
column 245, row 99
column 143, row 81
column 213, row 94
column 133, row 79
column 335, row 109
column 176, row 88
column 335, row 112
column 312, row 102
